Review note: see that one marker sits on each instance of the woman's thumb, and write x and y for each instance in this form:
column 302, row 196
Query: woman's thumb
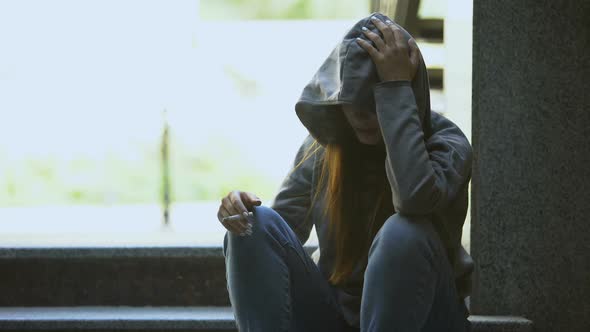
column 414, row 51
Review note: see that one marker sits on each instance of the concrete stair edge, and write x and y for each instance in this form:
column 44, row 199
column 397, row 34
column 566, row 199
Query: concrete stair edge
column 500, row 323
column 63, row 252
column 175, row 318
column 117, row 317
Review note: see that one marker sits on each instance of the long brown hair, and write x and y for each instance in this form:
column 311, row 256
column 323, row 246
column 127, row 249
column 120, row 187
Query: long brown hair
column 348, row 228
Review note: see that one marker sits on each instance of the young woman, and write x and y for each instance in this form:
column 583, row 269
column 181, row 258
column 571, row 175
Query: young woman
column 384, row 180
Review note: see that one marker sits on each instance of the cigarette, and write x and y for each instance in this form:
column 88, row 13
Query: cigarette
column 237, row 217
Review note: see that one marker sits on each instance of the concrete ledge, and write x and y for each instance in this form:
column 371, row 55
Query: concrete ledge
column 7, row 253
column 182, row 276
column 10, row 253
column 500, row 324
column 126, row 318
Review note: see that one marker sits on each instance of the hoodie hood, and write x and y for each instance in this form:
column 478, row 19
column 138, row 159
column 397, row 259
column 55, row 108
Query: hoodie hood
column 348, row 76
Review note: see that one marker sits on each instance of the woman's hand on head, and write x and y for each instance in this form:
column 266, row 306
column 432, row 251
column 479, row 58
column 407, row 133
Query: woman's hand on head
column 237, row 203
column 394, row 58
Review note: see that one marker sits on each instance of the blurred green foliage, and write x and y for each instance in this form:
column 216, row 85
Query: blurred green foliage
column 281, row 10
column 216, row 169
column 302, row 9
column 206, row 173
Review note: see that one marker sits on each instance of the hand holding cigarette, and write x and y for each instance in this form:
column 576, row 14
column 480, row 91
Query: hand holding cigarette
column 234, row 211
column 236, row 218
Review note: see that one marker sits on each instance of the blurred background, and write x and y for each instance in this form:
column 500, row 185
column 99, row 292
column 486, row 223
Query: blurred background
column 116, row 112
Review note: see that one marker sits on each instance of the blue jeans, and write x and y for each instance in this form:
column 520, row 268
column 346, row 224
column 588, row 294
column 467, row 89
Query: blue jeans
column 275, row 286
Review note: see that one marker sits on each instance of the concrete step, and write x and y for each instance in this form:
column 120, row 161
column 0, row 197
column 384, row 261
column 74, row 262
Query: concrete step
column 113, row 276
column 122, row 318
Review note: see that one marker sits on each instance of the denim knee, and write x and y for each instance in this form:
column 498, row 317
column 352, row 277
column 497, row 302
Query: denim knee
column 402, row 239
column 266, row 221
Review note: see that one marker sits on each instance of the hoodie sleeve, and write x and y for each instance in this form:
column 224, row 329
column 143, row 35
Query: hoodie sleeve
column 293, row 199
column 425, row 176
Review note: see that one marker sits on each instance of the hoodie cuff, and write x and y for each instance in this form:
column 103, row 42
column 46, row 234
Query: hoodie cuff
column 393, row 83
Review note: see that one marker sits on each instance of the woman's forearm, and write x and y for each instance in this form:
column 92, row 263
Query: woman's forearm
column 417, row 183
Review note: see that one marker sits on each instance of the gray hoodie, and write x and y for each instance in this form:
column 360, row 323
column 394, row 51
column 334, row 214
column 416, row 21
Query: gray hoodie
column 427, row 157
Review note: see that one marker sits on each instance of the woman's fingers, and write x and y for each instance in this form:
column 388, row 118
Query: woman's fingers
column 375, row 38
column 236, row 226
column 233, row 210
column 228, row 205
column 393, row 35
column 234, row 206
column 222, row 213
column 398, row 36
column 369, row 48
column 385, row 30
column 236, row 200
column 395, row 60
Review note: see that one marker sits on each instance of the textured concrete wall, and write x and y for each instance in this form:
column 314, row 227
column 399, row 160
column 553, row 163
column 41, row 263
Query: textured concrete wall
column 531, row 179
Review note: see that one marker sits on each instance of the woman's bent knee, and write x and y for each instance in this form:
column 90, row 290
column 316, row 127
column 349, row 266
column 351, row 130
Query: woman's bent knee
column 266, row 223
column 404, row 238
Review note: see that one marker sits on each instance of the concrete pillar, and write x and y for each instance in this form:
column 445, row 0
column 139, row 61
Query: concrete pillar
column 531, row 174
